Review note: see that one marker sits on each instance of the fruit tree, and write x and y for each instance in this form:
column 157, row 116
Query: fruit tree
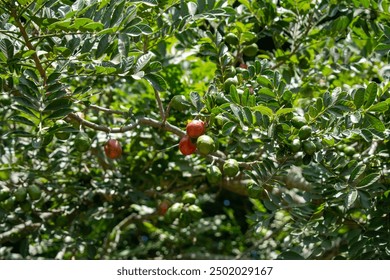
column 203, row 129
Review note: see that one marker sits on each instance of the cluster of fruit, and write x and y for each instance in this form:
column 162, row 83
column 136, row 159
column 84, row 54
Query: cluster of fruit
column 185, row 211
column 22, row 195
column 195, row 139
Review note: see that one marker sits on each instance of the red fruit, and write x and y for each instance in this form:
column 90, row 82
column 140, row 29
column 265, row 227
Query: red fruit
column 163, row 207
column 243, row 65
column 186, row 147
column 113, row 149
column 195, row 128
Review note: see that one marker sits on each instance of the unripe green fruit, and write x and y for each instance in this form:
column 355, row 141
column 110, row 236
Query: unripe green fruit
column 4, row 194
column 195, row 212
column 189, row 198
column 34, row 192
column 254, row 190
column 298, row 121
column 231, row 168
column 205, row 144
column 309, row 147
column 26, row 206
column 20, row 194
column 213, row 175
column 232, row 39
column 228, row 82
column 304, row 132
column 250, row 50
column 349, row 151
column 179, row 103
column 8, row 204
column 295, row 146
column 174, row 211
column 82, row 142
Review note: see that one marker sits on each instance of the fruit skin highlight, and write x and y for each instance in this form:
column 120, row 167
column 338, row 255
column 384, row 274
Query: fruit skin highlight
column 113, row 149
column 186, row 146
column 195, row 128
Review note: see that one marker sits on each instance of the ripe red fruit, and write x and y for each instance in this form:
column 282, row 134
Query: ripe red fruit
column 186, row 147
column 195, row 128
column 113, row 149
column 163, row 207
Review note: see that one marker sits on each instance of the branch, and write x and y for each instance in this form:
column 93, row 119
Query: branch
column 140, row 121
column 29, row 45
column 27, row 227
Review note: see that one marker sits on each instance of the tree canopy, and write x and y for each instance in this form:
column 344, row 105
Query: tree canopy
column 195, row 129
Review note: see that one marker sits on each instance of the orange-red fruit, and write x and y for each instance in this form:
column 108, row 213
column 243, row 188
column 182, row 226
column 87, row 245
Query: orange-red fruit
column 195, row 128
column 186, row 147
column 163, row 207
column 113, row 149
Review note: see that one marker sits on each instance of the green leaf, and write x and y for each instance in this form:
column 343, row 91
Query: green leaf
column 358, row 97
column 234, row 94
column 284, row 111
column 351, row 198
column 146, row 2
column 228, row 128
column 142, row 61
column 26, row 102
column 156, row 81
column 379, row 107
column 263, row 110
column 7, row 48
column 369, row 180
column 58, row 104
column 59, row 113
column 375, row 123
column 290, row 255
column 370, row 95
column 248, row 115
column 196, row 100
column 102, row 46
column 356, row 172
column 21, row 119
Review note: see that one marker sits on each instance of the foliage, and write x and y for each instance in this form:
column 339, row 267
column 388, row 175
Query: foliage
column 314, row 187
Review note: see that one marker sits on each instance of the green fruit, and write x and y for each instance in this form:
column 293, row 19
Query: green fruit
column 231, row 168
column 20, row 194
column 295, row 145
column 189, row 198
column 8, row 204
column 318, row 144
column 195, row 212
column 228, row 82
column 5, row 174
column 62, row 135
column 82, row 142
column 205, row 144
column 26, row 206
column 309, row 147
column 184, row 219
column 34, row 192
column 304, row 132
column 349, row 151
column 4, row 194
column 254, row 190
column 298, row 121
column 213, row 175
column 232, row 39
column 174, row 211
column 179, row 103
column 250, row 50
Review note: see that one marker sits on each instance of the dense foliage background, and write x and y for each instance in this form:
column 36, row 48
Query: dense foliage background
column 246, row 68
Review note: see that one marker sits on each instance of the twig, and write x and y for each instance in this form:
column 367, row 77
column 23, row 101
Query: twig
column 159, row 103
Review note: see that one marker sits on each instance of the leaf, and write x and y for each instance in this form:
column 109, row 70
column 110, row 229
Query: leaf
column 375, row 123
column 263, row 110
column 248, row 115
column 228, row 128
column 283, row 111
column 7, row 48
column 58, row 104
column 59, row 113
column 234, row 94
column 370, row 95
column 196, row 100
column 379, row 107
column 237, row 112
column 21, row 119
column 146, row 2
column 351, row 198
column 143, row 61
column 356, row 172
column 26, row 102
column 369, row 180
column 102, row 46
column 358, row 97
column 156, row 81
